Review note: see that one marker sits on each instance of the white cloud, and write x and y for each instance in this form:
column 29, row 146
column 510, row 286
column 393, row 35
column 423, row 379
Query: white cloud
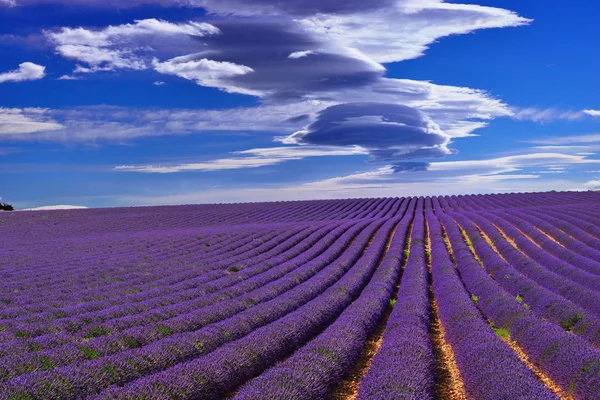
column 25, row 121
column 8, row 3
column 123, row 46
column 27, row 71
column 57, row 207
column 116, row 124
column 566, row 140
column 502, row 165
column 404, row 31
column 459, row 111
column 592, row 185
column 339, row 189
column 300, row 54
column 593, row 113
column 454, row 109
column 253, row 158
column 69, row 78
column 159, row 83
column 545, row 114
column 204, row 72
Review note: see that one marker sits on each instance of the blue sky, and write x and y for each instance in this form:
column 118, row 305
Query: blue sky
column 199, row 101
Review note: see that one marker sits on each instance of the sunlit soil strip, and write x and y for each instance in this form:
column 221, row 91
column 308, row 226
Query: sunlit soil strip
column 449, row 384
column 512, row 242
column 235, row 391
column 347, row 389
column 554, row 240
column 489, row 241
column 369, row 243
column 469, row 244
column 550, row 384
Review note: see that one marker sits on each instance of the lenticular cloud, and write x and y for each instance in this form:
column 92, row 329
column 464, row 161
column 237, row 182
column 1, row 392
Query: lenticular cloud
column 387, row 131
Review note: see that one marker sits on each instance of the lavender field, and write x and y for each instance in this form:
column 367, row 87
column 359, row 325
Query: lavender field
column 476, row 297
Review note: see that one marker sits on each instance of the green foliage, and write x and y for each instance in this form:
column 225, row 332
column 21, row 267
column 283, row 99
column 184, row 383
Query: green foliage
column 200, row 346
column 234, row 269
column 392, row 302
column 89, row 353
column 569, row 323
column 47, row 363
column 163, row 330
column 591, row 366
column 474, row 298
column 20, row 396
column 503, row 333
column 550, row 351
column 96, row 332
column 519, row 298
column 131, row 342
column 60, row 314
column 112, row 372
column 22, row 334
column 6, row 207
column 33, row 347
column 329, row 354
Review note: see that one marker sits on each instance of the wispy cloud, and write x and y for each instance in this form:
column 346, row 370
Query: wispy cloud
column 69, row 78
column 27, row 71
column 253, row 158
column 545, row 114
column 568, row 140
column 204, row 72
column 376, row 32
column 26, row 121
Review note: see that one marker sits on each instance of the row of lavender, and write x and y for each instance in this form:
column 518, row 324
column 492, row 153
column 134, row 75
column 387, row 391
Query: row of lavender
column 179, row 302
column 283, row 308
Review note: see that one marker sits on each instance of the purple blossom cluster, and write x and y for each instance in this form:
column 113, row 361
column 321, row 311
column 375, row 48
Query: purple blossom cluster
column 488, row 367
column 404, row 365
column 284, row 300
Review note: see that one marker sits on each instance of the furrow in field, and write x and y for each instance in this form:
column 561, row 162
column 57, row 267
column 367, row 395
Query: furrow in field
column 547, row 345
column 236, row 362
column 320, row 365
column 151, row 359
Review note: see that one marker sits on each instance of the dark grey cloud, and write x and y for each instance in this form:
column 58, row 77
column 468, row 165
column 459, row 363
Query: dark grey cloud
column 392, row 155
column 390, row 132
column 299, row 118
column 410, row 166
column 100, row 3
column 271, row 50
column 295, row 7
